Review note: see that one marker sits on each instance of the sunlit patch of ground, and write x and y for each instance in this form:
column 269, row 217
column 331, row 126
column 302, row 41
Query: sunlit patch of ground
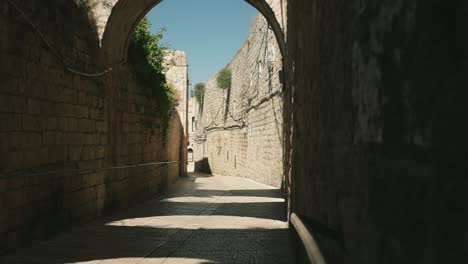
column 199, row 220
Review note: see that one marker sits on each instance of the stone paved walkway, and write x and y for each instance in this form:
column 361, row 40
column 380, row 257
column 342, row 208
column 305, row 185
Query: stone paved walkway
column 201, row 220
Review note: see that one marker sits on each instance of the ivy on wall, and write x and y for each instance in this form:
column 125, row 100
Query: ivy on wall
column 146, row 55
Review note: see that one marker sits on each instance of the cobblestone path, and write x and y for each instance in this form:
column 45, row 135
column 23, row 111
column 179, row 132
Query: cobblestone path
column 201, row 219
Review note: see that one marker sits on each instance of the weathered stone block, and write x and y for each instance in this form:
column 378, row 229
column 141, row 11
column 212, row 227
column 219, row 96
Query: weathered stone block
column 57, row 153
column 91, row 139
column 12, row 104
column 13, row 182
column 2, row 184
column 35, row 157
column 3, row 221
column 34, row 106
column 15, row 198
column 70, row 96
column 87, row 125
column 49, row 138
column 74, row 152
column 88, row 153
column 11, row 122
column 9, row 84
column 14, row 160
column 65, row 110
column 100, row 151
column 97, row 179
column 81, row 111
column 103, row 139
column 73, row 138
column 90, row 164
column 101, row 126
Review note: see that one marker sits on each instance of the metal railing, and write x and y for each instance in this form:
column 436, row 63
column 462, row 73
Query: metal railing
column 87, row 170
column 310, row 245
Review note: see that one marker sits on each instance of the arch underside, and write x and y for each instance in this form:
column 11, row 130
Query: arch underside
column 123, row 16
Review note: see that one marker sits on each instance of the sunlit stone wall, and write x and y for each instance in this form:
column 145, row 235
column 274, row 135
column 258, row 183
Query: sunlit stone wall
column 239, row 130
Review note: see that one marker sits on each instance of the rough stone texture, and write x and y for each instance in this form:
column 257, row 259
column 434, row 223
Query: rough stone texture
column 201, row 220
column 379, row 144
column 239, row 130
column 192, row 121
column 176, row 72
column 55, row 121
column 176, row 148
column 378, row 140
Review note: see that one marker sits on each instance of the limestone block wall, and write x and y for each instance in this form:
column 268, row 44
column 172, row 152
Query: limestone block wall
column 192, row 113
column 58, row 130
column 176, row 149
column 239, row 130
column 192, row 121
column 379, row 128
column 176, row 72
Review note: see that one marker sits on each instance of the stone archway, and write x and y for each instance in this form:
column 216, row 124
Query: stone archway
column 118, row 18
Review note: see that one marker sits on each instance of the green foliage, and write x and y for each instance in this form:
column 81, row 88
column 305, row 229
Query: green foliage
column 146, row 54
column 224, row 79
column 198, row 92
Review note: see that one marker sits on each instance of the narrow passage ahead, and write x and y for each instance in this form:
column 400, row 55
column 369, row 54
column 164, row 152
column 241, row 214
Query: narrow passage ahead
column 201, row 219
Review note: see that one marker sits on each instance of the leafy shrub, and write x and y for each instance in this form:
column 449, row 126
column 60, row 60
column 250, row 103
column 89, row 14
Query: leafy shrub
column 224, row 79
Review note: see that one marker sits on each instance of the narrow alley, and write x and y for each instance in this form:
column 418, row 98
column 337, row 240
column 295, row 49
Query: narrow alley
column 240, row 131
column 201, row 219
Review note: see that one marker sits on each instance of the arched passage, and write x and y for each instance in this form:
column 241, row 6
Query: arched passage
column 125, row 15
column 190, row 155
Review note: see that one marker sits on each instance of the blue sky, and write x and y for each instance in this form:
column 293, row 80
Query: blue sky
column 209, row 31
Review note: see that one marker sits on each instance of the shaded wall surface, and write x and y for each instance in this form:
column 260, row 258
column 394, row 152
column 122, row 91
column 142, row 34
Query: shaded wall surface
column 58, row 130
column 239, row 129
column 379, row 144
column 176, row 148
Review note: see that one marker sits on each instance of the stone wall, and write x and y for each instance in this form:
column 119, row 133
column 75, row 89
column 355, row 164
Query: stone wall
column 239, row 130
column 379, row 144
column 192, row 120
column 176, row 148
column 58, row 130
column 176, row 72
